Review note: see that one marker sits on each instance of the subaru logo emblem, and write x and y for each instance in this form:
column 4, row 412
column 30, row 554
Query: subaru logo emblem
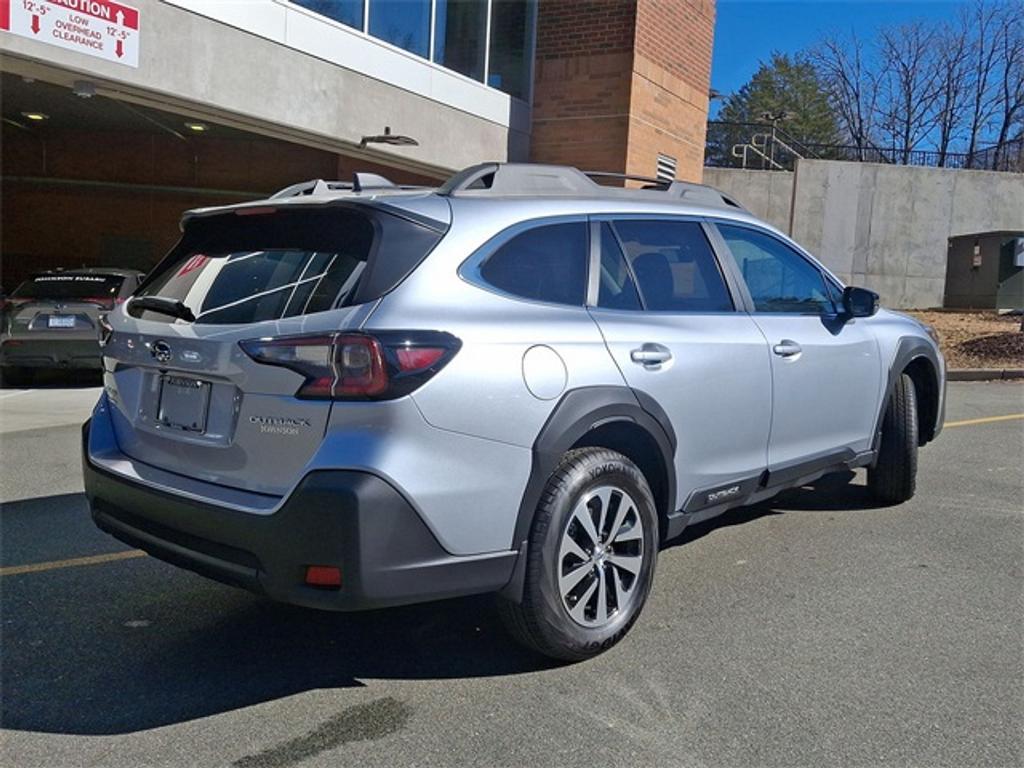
column 161, row 351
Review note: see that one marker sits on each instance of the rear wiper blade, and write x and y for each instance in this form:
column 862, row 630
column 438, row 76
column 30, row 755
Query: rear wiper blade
column 172, row 307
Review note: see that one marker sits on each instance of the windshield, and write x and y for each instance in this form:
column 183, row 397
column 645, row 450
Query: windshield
column 69, row 286
column 249, row 268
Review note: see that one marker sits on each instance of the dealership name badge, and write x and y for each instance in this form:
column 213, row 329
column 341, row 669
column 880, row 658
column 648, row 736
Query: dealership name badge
column 98, row 28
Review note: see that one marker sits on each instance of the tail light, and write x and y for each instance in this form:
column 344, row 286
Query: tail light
column 104, row 302
column 357, row 366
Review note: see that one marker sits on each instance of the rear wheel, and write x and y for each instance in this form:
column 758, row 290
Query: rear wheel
column 893, row 477
column 591, row 557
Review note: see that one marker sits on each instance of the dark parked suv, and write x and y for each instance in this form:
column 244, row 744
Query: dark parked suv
column 52, row 320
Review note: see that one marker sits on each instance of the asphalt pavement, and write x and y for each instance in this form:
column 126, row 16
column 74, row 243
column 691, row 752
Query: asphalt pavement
column 815, row 629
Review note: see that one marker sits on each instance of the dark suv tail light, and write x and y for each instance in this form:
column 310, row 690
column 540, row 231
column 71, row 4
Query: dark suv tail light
column 357, row 366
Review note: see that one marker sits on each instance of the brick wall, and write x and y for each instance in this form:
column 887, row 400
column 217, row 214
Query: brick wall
column 99, row 199
column 618, row 81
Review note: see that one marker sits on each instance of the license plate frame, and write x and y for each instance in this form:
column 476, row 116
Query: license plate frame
column 184, row 403
column 60, row 321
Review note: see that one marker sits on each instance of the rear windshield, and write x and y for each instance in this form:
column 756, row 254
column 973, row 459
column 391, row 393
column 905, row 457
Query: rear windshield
column 267, row 266
column 69, row 286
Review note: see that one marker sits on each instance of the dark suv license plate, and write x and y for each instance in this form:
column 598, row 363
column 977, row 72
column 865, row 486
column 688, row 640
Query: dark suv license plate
column 184, row 403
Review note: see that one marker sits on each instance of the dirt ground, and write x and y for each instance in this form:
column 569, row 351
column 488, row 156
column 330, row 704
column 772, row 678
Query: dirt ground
column 977, row 339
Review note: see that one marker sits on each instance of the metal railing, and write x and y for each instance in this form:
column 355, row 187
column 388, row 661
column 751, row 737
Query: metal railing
column 766, row 147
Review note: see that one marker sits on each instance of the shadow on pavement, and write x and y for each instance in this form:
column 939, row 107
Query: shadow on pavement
column 57, row 378
column 137, row 644
column 830, row 493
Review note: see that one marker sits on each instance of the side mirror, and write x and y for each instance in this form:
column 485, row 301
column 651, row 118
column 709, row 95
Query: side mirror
column 859, row 302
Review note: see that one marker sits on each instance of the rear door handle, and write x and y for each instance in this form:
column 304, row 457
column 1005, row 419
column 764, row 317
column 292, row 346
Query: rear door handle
column 787, row 348
column 651, row 355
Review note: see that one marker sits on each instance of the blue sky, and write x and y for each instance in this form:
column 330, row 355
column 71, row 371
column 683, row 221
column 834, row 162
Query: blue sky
column 747, row 31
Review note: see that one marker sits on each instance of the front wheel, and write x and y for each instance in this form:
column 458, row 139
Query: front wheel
column 590, row 560
column 893, row 478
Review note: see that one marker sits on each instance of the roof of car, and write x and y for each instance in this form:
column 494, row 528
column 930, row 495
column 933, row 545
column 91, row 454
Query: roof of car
column 512, row 182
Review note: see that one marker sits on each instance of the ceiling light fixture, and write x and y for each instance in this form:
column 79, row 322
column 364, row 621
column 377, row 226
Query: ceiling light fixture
column 84, row 89
column 197, row 127
column 36, row 116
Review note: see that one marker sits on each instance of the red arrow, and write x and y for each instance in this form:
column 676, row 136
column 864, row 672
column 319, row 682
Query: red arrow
column 119, row 48
column 35, row 25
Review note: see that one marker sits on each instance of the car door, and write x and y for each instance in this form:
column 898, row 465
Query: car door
column 826, row 368
column 669, row 320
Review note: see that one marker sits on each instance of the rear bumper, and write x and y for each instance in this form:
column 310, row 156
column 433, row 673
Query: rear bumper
column 51, row 353
column 353, row 520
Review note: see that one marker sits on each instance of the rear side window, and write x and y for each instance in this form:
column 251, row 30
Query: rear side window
column 246, row 269
column 674, row 266
column 547, row 263
column 69, row 286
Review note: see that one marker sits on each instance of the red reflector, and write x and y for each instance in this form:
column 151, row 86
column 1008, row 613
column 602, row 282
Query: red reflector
column 323, row 576
column 417, row 358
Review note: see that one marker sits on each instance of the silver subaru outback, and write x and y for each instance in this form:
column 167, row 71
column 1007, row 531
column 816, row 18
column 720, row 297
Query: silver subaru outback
column 523, row 382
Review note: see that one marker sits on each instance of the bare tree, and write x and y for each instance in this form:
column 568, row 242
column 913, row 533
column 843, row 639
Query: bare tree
column 910, row 85
column 953, row 59
column 1010, row 75
column 981, row 20
column 852, row 88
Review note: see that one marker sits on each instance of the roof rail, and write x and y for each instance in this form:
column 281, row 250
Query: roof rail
column 530, row 180
column 361, row 182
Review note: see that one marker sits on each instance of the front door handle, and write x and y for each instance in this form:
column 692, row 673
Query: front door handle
column 651, row 355
column 787, row 348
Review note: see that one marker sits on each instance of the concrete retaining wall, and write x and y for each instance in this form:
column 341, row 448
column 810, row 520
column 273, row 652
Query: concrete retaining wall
column 881, row 226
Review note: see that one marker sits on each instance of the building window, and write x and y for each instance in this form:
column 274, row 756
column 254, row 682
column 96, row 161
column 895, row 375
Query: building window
column 666, row 168
column 405, row 23
column 348, row 12
column 460, row 36
column 511, row 46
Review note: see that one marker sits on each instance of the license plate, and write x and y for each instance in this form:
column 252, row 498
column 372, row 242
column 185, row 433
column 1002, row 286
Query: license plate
column 184, row 403
column 61, row 321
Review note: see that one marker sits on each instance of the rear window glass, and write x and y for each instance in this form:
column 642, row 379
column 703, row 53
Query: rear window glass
column 69, row 286
column 244, row 269
column 547, row 263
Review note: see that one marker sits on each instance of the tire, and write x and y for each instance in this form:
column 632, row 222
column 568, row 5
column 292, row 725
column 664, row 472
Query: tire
column 14, row 376
column 893, row 478
column 567, row 572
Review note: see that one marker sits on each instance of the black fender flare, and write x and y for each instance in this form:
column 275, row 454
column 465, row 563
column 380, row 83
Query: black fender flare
column 908, row 349
column 577, row 412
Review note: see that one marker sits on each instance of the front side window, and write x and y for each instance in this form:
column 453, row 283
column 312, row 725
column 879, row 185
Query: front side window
column 674, row 266
column 778, row 278
column 547, row 263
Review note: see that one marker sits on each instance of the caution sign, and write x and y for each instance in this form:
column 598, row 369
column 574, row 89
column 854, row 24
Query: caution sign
column 99, row 28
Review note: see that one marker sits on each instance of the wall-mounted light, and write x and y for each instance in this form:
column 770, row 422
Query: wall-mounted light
column 197, row 127
column 37, row 117
column 389, row 138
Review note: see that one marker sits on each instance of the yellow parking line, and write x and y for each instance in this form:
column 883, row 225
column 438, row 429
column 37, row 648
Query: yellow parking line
column 53, row 565
column 985, row 420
